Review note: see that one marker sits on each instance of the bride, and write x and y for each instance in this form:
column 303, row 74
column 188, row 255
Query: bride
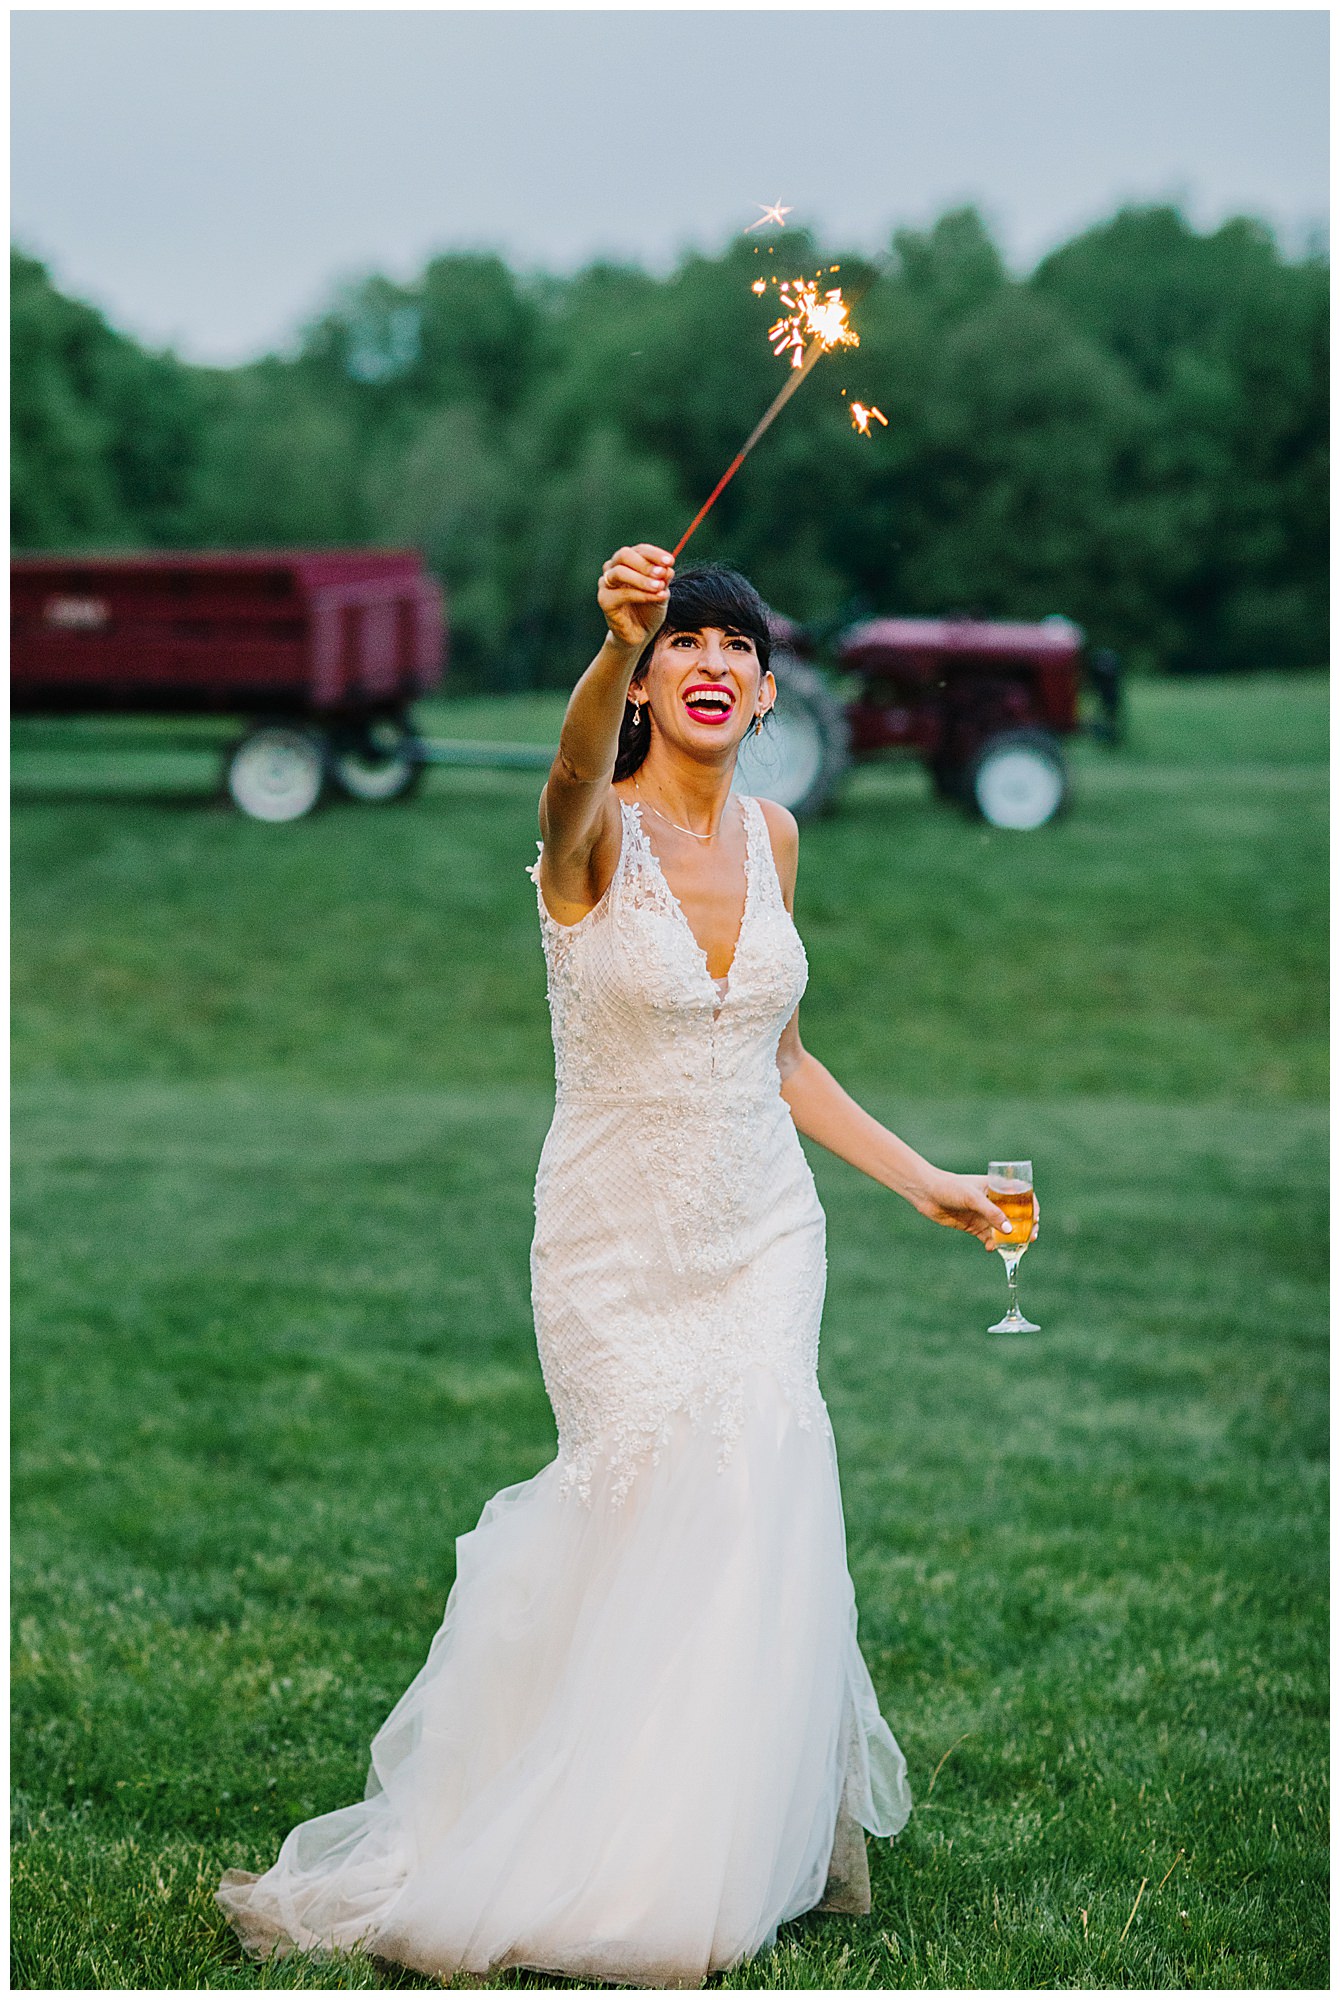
column 644, row 1735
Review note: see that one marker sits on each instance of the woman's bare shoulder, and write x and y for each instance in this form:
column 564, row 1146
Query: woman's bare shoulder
column 784, row 834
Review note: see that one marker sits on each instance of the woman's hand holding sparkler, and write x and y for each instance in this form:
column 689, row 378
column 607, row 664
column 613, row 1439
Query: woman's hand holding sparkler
column 579, row 814
column 634, row 591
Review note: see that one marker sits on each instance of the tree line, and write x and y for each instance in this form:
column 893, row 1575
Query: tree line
column 1133, row 434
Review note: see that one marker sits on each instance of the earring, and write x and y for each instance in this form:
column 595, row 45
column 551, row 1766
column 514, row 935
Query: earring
column 758, row 721
column 637, row 714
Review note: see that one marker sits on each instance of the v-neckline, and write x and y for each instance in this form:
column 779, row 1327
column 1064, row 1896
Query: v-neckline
column 728, row 975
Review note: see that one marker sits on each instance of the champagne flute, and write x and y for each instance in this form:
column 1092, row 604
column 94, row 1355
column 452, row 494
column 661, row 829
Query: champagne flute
column 1010, row 1185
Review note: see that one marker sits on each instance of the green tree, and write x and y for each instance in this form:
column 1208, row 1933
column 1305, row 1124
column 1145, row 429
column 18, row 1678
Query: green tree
column 279, row 465
column 449, row 488
column 951, row 269
column 103, row 435
column 1019, row 500
column 571, row 522
column 1231, row 343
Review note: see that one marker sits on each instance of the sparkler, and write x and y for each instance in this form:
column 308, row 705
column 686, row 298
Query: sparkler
column 811, row 326
column 774, row 409
column 860, row 418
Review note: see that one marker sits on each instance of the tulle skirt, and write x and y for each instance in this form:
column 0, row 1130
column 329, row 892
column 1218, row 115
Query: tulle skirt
column 644, row 1735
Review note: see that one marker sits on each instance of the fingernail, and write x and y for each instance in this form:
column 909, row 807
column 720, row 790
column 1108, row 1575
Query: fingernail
column 1005, row 1228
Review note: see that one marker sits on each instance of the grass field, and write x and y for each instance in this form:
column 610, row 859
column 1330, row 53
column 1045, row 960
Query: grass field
column 279, row 1095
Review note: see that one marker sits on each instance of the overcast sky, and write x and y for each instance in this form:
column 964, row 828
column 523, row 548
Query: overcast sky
column 206, row 177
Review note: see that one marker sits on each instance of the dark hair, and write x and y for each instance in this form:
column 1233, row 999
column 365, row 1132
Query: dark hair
column 709, row 594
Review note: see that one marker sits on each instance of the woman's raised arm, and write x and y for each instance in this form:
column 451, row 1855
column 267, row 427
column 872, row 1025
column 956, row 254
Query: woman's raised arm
column 576, row 816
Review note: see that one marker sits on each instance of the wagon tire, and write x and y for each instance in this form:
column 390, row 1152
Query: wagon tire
column 803, row 750
column 379, row 763
column 278, row 772
column 1017, row 779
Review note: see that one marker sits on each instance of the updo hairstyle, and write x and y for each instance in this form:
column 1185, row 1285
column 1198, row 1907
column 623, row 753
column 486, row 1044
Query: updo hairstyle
column 710, row 594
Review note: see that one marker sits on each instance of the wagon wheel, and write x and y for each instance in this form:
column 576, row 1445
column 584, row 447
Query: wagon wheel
column 278, row 772
column 378, row 762
column 1017, row 779
column 802, row 750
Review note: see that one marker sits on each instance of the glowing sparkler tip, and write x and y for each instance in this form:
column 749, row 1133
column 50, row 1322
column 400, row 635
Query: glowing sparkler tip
column 760, row 285
column 810, row 320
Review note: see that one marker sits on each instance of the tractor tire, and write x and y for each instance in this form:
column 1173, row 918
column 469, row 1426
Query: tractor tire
column 802, row 752
column 1017, row 779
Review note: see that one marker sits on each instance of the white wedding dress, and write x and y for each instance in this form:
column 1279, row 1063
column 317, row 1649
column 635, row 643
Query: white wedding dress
column 644, row 1735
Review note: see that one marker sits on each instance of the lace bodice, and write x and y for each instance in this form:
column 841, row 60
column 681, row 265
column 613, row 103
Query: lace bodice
column 635, row 1010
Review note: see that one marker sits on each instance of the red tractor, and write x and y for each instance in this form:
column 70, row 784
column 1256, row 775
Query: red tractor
column 983, row 705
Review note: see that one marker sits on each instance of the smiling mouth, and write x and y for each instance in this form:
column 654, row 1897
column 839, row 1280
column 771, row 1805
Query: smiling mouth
column 709, row 704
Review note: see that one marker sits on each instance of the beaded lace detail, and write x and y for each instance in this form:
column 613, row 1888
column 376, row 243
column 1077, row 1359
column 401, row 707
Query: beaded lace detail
column 679, row 1240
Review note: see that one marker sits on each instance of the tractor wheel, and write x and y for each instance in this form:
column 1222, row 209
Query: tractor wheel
column 1017, row 779
column 800, row 754
column 378, row 763
column 278, row 772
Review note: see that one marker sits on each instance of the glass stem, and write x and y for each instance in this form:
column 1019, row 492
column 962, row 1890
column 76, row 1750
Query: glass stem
column 1011, row 1261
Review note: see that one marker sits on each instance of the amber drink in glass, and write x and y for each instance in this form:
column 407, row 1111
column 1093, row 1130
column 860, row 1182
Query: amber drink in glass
column 1010, row 1186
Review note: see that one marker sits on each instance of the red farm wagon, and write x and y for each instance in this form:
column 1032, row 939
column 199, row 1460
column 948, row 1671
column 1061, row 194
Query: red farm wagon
column 319, row 654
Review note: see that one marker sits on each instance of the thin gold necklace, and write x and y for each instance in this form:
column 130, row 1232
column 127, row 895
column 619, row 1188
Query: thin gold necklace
column 674, row 822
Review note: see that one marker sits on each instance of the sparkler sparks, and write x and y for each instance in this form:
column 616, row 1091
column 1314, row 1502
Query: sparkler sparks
column 776, row 214
column 809, row 317
column 860, row 418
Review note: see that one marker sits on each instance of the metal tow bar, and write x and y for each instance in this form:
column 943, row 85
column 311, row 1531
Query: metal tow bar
column 485, row 756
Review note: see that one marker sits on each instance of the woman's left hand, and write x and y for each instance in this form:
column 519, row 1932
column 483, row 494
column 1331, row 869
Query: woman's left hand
column 960, row 1201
